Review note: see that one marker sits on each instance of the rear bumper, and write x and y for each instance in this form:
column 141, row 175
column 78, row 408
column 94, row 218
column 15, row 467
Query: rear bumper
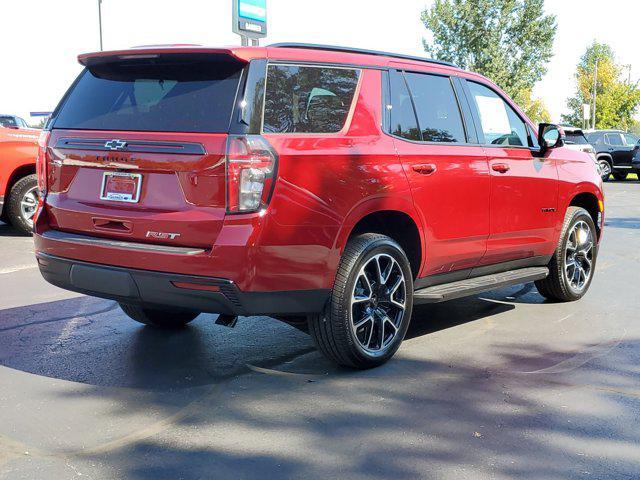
column 159, row 289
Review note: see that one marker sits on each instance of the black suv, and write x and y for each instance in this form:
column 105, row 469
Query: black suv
column 616, row 151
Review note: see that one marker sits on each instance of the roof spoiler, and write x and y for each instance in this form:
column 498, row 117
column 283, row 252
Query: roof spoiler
column 242, row 55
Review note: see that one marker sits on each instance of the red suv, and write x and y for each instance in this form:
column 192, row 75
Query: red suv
column 328, row 187
column 18, row 185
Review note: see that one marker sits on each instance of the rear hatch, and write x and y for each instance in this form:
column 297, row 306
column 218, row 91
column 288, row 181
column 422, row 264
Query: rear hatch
column 137, row 148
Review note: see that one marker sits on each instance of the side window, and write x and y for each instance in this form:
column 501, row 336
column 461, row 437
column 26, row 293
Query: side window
column 594, row 139
column 630, row 140
column 302, row 99
column 8, row 122
column 614, row 139
column 438, row 112
column 403, row 117
column 500, row 124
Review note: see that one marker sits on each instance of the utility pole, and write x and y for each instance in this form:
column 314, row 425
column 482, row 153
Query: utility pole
column 595, row 94
column 100, row 21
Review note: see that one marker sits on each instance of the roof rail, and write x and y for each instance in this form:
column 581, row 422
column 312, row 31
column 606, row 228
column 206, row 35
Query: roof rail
column 333, row 48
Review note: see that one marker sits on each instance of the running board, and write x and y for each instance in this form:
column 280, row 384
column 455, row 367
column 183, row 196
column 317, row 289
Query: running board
column 473, row 286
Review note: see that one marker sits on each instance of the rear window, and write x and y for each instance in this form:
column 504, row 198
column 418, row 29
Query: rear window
column 308, row 99
column 575, row 138
column 164, row 95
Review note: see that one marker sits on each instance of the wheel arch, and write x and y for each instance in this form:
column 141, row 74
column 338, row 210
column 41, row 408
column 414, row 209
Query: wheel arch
column 591, row 203
column 605, row 156
column 396, row 220
column 18, row 173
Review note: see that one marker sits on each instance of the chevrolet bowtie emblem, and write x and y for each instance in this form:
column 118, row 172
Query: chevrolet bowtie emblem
column 115, row 145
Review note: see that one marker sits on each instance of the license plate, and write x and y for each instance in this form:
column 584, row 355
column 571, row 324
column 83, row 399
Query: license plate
column 121, row 187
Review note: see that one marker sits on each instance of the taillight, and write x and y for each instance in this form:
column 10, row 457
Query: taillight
column 251, row 168
column 41, row 162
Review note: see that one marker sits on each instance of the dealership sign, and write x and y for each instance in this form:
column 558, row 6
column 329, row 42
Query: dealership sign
column 250, row 18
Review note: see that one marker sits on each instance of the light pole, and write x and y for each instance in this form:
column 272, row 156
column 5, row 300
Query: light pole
column 595, row 94
column 100, row 21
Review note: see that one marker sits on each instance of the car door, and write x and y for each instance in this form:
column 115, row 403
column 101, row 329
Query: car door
column 448, row 175
column 524, row 188
column 619, row 150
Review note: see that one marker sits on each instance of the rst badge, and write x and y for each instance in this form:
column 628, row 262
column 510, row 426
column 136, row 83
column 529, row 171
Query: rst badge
column 162, row 235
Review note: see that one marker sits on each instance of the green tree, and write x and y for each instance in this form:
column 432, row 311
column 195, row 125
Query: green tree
column 508, row 41
column 616, row 98
column 535, row 108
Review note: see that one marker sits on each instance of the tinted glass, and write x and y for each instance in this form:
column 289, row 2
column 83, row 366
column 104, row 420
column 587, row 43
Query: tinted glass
column 500, row 124
column 613, row 139
column 575, row 138
column 8, row 122
column 595, row 138
column 403, row 117
column 439, row 116
column 169, row 96
column 630, row 140
column 308, row 99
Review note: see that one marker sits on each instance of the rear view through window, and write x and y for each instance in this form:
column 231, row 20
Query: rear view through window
column 167, row 94
column 308, row 99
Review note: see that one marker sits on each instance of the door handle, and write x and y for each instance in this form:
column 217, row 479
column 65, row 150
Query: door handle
column 424, row 168
column 500, row 167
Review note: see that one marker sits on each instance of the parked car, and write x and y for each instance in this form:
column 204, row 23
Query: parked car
column 635, row 161
column 12, row 121
column 615, row 150
column 328, row 187
column 18, row 183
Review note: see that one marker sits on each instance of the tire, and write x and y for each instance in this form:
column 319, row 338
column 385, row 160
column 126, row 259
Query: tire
column 605, row 169
column 23, row 199
column 559, row 285
column 620, row 176
column 166, row 318
column 383, row 317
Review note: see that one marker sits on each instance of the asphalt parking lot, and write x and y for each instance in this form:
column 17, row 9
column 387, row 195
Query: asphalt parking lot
column 498, row 386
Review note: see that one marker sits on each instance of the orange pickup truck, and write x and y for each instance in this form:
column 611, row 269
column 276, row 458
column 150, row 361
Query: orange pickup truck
column 18, row 183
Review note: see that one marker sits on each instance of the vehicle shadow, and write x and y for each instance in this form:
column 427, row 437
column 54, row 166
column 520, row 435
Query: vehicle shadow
column 624, row 222
column 417, row 416
column 7, row 230
column 91, row 341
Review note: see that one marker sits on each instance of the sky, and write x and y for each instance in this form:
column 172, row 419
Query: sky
column 41, row 38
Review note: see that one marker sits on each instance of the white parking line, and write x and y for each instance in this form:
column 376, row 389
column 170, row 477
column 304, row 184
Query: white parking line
column 16, row 269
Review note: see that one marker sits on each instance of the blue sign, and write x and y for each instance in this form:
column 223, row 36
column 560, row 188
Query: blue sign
column 253, row 10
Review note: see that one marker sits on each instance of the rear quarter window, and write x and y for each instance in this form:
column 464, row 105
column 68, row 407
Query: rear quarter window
column 166, row 95
column 308, row 99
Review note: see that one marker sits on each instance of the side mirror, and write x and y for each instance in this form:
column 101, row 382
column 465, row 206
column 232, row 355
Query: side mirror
column 550, row 136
